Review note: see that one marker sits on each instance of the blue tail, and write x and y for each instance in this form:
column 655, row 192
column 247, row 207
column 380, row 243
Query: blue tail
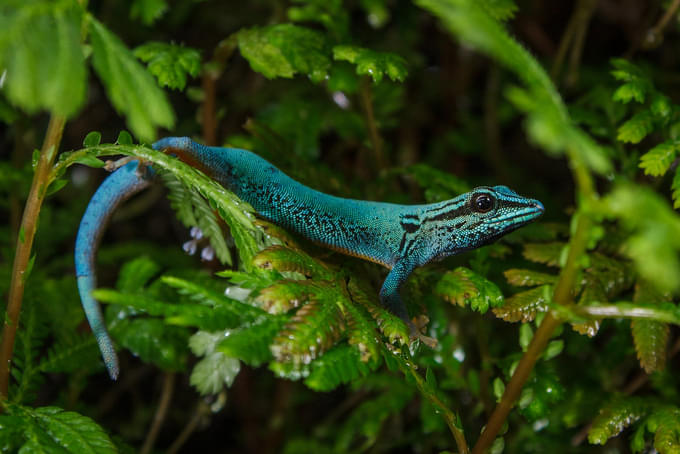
column 118, row 187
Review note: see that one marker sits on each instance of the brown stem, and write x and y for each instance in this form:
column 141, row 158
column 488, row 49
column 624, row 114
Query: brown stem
column 573, row 38
column 514, row 387
column 585, row 11
column 202, row 409
column 562, row 295
column 29, row 223
column 654, row 36
column 212, row 71
column 161, row 412
column 366, row 96
column 208, row 111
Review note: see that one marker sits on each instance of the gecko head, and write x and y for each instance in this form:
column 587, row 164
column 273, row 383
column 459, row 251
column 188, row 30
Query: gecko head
column 478, row 217
column 498, row 210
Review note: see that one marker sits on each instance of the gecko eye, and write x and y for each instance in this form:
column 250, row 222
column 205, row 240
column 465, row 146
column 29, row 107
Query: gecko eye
column 482, row 203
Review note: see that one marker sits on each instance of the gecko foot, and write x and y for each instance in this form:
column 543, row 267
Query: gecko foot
column 416, row 326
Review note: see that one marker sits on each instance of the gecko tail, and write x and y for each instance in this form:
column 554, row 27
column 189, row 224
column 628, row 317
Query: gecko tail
column 118, row 187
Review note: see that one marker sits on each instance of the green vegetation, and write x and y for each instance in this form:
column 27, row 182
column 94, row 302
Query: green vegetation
column 561, row 337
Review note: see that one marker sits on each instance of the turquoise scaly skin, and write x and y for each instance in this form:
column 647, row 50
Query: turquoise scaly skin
column 400, row 237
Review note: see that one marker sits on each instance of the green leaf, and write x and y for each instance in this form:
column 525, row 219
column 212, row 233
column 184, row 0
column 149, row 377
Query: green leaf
column 40, row 48
column 616, row 416
column 286, row 294
column 148, row 11
column 51, row 429
column 213, row 372
column 525, row 336
column 90, row 161
column 314, row 328
column 340, row 365
column 390, row 325
column 675, row 187
column 658, row 160
column 194, row 211
column 636, row 127
column 281, row 258
column 546, row 253
column 92, row 139
column 528, row 278
column 463, row 286
column 331, row 14
column 170, row 63
column 154, row 342
column 219, row 301
column 251, row 344
column 215, row 369
column 373, row 63
column 284, row 50
column 650, row 337
column 667, row 436
column 500, row 9
column 637, row 83
column 361, row 332
column 524, row 306
column 136, row 274
column 124, row 138
column 130, row 87
column 654, row 233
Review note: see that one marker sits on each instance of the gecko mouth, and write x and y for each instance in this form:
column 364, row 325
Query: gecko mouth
column 528, row 214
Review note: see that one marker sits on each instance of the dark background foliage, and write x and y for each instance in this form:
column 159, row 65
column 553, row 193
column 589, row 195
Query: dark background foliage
column 374, row 99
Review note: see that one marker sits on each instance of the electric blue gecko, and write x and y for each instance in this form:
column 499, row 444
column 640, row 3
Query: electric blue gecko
column 400, row 237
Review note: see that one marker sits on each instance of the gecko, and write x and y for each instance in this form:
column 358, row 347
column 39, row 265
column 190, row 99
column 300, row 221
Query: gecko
column 399, row 237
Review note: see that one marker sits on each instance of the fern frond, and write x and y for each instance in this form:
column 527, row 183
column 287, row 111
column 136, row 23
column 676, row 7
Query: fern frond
column 251, row 344
column 242, row 312
column 288, row 294
column 592, row 292
column 636, row 127
column 281, row 259
column 340, row 365
column 615, row 417
column 136, row 273
column 24, row 370
column 180, row 314
column 154, row 342
column 193, row 211
column 528, row 278
column 523, row 306
column 361, row 333
column 77, row 353
column 650, row 337
column 463, row 286
column 658, row 160
column 390, row 325
column 667, row 436
column 546, row 253
column 314, row 328
column 614, row 275
column 675, row 187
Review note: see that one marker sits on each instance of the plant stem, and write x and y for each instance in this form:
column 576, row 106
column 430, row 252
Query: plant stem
column 161, row 412
column 563, row 295
column 654, row 36
column 450, row 417
column 29, row 224
column 366, row 96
